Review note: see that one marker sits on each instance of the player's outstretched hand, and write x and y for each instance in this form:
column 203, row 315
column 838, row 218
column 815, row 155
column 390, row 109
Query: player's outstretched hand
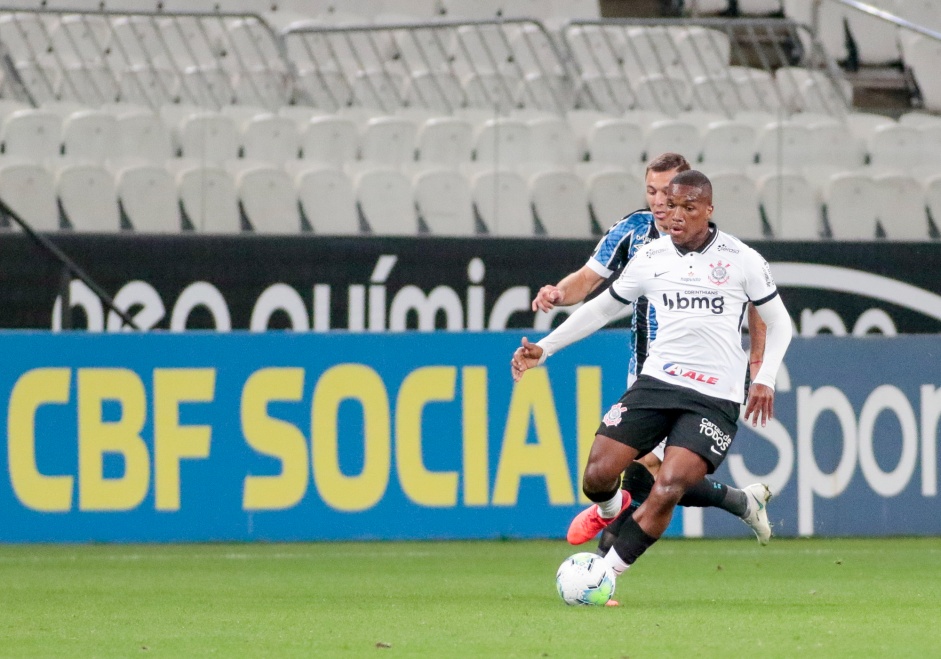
column 547, row 297
column 524, row 358
column 760, row 407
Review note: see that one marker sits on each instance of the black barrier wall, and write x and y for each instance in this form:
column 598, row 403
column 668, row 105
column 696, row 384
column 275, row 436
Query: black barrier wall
column 256, row 282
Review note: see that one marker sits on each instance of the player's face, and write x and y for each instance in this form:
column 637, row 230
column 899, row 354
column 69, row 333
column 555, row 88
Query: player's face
column 658, row 184
column 690, row 210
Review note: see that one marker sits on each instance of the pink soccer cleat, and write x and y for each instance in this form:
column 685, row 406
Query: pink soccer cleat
column 588, row 523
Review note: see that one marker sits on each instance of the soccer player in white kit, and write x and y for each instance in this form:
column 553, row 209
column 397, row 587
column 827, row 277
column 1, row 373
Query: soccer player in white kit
column 699, row 280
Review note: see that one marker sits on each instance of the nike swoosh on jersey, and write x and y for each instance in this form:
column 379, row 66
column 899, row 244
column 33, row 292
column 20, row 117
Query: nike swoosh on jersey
column 657, row 274
column 713, row 449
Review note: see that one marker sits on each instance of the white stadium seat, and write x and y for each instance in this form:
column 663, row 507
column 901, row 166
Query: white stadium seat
column 208, row 198
column 785, row 144
column 149, row 85
column 895, row 147
column 330, row 138
column 31, row 134
column 488, row 89
column 389, row 140
column 728, row 145
column 836, row 145
column 445, row 141
column 502, row 201
column 142, row 134
column 91, row 134
column 852, row 206
column 386, row 200
column 268, row 197
column 209, row 136
column 616, row 141
column 901, row 209
column 790, row 206
column 443, row 200
column 270, row 138
column 735, row 198
column 560, row 203
column 613, row 192
column 327, row 199
column 503, row 141
column 671, row 135
column 551, row 139
column 435, row 90
column 88, row 197
column 147, row 193
column 610, row 93
column 29, row 190
column 668, row 94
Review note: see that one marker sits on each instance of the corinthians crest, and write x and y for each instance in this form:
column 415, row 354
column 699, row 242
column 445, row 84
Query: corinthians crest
column 720, row 273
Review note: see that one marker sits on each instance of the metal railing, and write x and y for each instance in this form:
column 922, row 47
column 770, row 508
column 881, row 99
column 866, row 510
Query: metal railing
column 143, row 57
column 771, row 65
column 441, row 65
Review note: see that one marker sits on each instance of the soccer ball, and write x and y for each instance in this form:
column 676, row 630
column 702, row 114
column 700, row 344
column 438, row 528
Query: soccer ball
column 584, row 578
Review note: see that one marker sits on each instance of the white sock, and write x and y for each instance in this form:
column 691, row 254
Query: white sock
column 615, row 562
column 610, row 508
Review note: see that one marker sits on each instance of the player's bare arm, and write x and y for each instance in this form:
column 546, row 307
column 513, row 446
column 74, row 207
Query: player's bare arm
column 760, row 405
column 573, row 288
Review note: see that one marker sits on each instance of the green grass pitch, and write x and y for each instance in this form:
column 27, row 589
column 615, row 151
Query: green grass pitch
column 685, row 598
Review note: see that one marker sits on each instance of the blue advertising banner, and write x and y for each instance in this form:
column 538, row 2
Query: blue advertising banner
column 302, row 436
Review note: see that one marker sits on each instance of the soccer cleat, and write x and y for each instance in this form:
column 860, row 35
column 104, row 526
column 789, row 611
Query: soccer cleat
column 612, row 603
column 588, row 523
column 756, row 516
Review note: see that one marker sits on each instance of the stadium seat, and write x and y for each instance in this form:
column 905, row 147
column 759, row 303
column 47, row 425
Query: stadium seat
column 609, row 93
column 616, row 141
column 31, row 134
column 728, row 145
column 147, row 195
column 326, row 196
column 836, row 145
column 790, row 206
column 718, row 93
column 481, row 48
column 207, row 86
column 785, row 144
column 253, row 44
column 80, row 38
column 851, row 205
column 208, row 199
column 503, row 141
column 613, row 192
column 149, row 85
column 29, row 190
column 208, row 136
column 560, row 203
column 498, row 91
column 502, row 202
column 862, row 124
column 830, row 31
column 263, row 86
column 650, row 51
column 379, row 89
column 242, row 114
column 668, row 94
column 533, row 49
column 267, row 197
column 300, row 115
column 917, row 119
column 735, row 198
column 435, row 90
column 386, row 202
column 582, row 121
column 922, row 56
column 552, row 140
column 9, row 106
column 42, row 82
column 671, row 135
column 901, row 206
column 445, row 141
column 895, row 147
column 388, row 140
column 443, row 200
column 331, row 139
column 759, row 7
column 142, row 134
column 24, row 36
column 325, row 89
column 876, row 40
column 553, row 92
column 86, row 83
column 91, row 135
column 135, row 41
column 756, row 90
column 702, row 52
column 813, row 90
column 88, row 197
column 270, row 138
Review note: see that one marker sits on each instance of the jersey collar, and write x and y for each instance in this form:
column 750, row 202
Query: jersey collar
column 714, row 235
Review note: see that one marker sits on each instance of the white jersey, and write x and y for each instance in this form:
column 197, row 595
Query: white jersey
column 700, row 300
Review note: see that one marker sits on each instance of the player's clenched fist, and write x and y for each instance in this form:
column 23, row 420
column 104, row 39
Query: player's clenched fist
column 547, row 297
column 524, row 358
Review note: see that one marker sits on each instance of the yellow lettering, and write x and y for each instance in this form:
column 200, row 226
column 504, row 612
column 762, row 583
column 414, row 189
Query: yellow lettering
column 532, row 397
column 173, row 442
column 432, row 383
column 362, row 384
column 476, row 467
column 123, row 436
column 588, row 380
column 274, row 437
column 42, row 386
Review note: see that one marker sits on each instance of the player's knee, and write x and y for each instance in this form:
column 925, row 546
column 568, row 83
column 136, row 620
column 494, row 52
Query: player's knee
column 598, row 479
column 666, row 492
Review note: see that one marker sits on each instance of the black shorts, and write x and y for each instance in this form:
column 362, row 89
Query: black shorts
column 652, row 410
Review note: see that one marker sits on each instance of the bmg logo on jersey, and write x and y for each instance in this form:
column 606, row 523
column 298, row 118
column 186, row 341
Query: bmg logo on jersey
column 712, row 431
column 716, row 305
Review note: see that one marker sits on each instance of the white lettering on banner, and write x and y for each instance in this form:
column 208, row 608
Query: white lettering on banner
column 888, row 398
column 373, row 310
column 139, row 294
column 279, row 297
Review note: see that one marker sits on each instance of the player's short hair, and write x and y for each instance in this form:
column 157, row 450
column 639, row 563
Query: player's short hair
column 694, row 179
column 666, row 162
